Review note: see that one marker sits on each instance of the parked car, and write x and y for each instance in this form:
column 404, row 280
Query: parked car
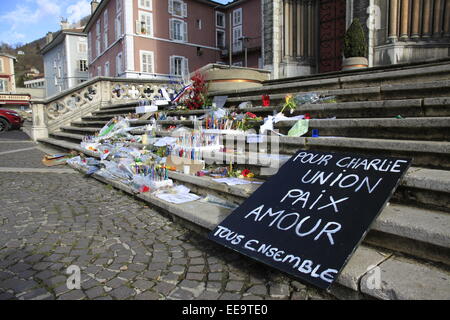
column 10, row 119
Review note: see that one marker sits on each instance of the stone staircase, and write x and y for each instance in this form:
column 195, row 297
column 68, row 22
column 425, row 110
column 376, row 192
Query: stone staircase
column 410, row 241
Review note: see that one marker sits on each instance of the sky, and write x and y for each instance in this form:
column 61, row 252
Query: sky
column 23, row 21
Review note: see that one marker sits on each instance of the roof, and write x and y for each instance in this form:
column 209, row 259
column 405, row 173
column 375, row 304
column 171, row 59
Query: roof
column 59, row 37
column 8, row 55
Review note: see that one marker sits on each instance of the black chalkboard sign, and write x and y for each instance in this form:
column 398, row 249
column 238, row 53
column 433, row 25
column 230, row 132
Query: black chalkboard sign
column 308, row 219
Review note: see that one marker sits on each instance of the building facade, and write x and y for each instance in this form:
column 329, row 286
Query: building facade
column 38, row 83
column 304, row 37
column 7, row 75
column 171, row 38
column 65, row 60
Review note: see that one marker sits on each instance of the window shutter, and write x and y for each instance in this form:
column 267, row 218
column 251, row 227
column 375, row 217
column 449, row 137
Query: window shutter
column 186, row 67
column 138, row 27
column 171, row 29
column 171, row 65
column 185, row 30
column 171, row 6
column 185, row 10
column 150, row 63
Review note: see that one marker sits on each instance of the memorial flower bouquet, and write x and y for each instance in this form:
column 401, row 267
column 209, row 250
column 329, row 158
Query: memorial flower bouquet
column 249, row 121
column 198, row 94
column 289, row 104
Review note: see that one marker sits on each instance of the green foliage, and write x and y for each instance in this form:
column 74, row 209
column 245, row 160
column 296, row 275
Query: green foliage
column 355, row 44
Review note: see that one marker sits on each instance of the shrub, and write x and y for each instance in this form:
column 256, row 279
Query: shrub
column 355, row 44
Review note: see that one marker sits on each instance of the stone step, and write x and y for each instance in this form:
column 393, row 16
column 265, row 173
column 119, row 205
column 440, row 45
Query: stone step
column 379, row 128
column 91, row 124
column 375, row 93
column 408, row 72
column 120, row 105
column 355, row 274
column 352, row 79
column 71, row 137
column 115, row 111
column 425, row 129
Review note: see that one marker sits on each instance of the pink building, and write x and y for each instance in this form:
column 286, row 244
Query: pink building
column 170, row 38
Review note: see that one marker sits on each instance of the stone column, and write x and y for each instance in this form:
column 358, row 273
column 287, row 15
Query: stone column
column 393, row 20
column 311, row 28
column 437, row 18
column 39, row 128
column 287, row 29
column 447, row 19
column 300, row 30
column 415, row 26
column 277, row 36
column 426, row 24
column 404, row 20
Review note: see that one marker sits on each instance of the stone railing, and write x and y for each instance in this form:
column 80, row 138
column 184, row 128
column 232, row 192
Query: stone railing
column 73, row 104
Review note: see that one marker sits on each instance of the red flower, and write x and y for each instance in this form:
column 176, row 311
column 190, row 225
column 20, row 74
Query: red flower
column 245, row 172
column 251, row 115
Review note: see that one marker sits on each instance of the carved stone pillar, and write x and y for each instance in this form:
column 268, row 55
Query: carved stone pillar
column 437, row 18
column 427, row 21
column 39, row 128
column 393, row 20
column 311, row 28
column 404, row 20
column 447, row 19
column 287, row 28
column 415, row 25
column 300, row 30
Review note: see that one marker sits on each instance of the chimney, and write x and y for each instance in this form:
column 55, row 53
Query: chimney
column 94, row 5
column 49, row 37
column 64, row 24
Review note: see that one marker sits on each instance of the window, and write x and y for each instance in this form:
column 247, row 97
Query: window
column 178, row 8
column 1, row 65
column 220, row 20
column 178, row 30
column 56, row 81
column 118, row 5
column 99, row 71
column 3, row 85
column 237, row 38
column 59, row 72
column 82, row 47
column 147, row 62
column 220, row 39
column 107, row 69
column 237, row 17
column 145, row 23
column 105, row 29
column 118, row 26
column 199, row 24
column 83, row 66
column 179, row 66
column 98, row 39
column 145, row 4
column 119, row 64
column 98, row 46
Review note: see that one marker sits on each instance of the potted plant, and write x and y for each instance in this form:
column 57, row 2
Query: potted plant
column 355, row 47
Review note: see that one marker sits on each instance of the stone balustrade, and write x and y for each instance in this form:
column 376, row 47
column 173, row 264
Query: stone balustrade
column 73, row 104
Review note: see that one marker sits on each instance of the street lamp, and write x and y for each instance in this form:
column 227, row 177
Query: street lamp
column 244, row 39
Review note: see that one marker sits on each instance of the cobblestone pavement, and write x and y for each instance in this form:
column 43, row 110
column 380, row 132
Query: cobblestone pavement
column 125, row 249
